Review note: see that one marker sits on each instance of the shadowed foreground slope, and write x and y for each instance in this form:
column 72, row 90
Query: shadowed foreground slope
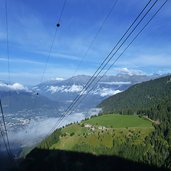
column 51, row 160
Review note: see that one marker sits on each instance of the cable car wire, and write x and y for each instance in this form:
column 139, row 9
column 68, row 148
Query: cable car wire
column 96, row 35
column 103, row 63
column 62, row 11
column 5, row 129
column 53, row 41
column 48, row 57
column 125, row 49
column 95, row 76
column 109, row 59
column 7, row 40
column 9, row 74
column 3, row 138
column 120, row 55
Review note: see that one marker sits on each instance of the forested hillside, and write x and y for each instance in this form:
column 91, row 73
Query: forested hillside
column 152, row 98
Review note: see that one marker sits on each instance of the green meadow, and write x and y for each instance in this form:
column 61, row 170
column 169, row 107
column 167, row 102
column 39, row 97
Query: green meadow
column 104, row 134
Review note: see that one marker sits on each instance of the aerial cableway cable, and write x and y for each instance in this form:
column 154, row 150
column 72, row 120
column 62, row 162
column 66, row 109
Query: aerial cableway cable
column 7, row 146
column 109, row 59
column 48, row 57
column 93, row 40
column 7, row 40
column 53, row 41
column 125, row 48
column 3, row 138
column 51, row 47
column 137, row 35
column 104, row 61
column 103, row 64
column 62, row 11
column 9, row 75
column 96, row 35
column 89, row 91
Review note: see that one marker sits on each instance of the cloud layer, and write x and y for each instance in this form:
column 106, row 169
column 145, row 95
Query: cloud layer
column 38, row 129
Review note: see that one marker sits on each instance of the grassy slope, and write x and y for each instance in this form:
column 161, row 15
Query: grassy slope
column 122, row 127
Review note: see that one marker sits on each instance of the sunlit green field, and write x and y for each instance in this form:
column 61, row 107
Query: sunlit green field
column 102, row 131
column 119, row 121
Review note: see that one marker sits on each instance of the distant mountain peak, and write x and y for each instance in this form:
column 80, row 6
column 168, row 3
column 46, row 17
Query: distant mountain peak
column 66, row 90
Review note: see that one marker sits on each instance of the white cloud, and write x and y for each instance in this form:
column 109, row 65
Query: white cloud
column 105, row 92
column 130, row 72
column 54, row 89
column 59, row 79
column 116, row 83
column 75, row 88
column 67, row 89
column 17, row 86
column 14, row 87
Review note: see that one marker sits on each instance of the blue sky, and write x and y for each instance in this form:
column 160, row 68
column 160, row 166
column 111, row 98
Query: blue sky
column 32, row 26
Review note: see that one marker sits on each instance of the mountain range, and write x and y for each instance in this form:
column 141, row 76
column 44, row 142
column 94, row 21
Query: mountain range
column 60, row 93
column 66, row 90
column 49, row 99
